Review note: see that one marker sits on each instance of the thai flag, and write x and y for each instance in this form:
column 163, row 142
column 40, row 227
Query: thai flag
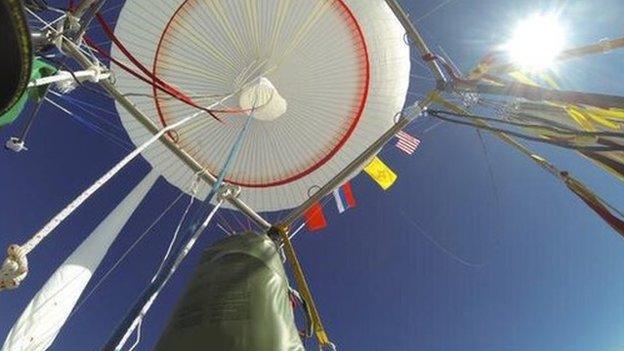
column 407, row 143
column 344, row 197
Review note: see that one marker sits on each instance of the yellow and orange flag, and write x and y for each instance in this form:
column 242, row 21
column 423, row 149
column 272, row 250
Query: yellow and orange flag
column 381, row 173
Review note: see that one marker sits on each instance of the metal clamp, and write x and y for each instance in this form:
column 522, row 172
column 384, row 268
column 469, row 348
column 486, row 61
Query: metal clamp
column 228, row 191
column 412, row 112
column 15, row 144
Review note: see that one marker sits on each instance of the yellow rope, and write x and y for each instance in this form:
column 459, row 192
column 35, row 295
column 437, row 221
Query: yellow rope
column 304, row 289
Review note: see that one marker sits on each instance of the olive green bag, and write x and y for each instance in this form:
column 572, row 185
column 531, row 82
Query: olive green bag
column 238, row 300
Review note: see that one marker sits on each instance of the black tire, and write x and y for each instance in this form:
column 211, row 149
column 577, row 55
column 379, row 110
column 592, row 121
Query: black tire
column 16, row 51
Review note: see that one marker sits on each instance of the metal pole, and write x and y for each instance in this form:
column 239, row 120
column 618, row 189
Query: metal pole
column 357, row 162
column 535, row 93
column 419, row 41
column 82, row 7
column 63, row 76
column 85, row 12
column 73, row 51
column 33, row 115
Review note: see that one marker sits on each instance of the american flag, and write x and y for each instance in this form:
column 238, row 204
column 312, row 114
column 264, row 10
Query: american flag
column 407, row 143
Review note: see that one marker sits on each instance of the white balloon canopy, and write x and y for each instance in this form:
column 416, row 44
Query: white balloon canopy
column 326, row 78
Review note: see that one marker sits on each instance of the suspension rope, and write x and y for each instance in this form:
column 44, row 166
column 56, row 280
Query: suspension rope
column 179, row 226
column 15, row 267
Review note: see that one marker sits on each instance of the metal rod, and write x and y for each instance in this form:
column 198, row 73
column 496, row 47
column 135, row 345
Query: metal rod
column 82, row 7
column 62, row 76
column 73, row 51
column 418, row 40
column 33, row 115
column 355, row 164
column 85, row 12
column 535, row 93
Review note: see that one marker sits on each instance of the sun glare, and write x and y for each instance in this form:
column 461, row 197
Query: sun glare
column 536, row 42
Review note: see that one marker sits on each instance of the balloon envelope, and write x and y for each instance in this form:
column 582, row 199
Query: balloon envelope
column 330, row 76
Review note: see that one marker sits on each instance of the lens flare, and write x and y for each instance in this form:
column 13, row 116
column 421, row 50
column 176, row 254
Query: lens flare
column 536, row 42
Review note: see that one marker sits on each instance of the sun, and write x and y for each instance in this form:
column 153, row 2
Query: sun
column 536, row 42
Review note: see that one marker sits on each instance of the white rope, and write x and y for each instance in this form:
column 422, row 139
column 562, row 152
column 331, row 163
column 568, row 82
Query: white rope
column 15, row 266
column 296, row 231
column 138, row 339
column 14, row 269
column 187, row 248
column 177, row 231
column 61, row 216
column 224, row 230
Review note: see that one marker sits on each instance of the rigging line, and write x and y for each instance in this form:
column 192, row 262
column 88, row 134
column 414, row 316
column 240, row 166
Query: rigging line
column 528, row 137
column 53, row 22
column 73, row 102
column 434, row 10
column 89, row 105
column 300, row 228
column 241, row 225
column 490, row 170
column 99, row 130
column 557, row 125
column 177, row 230
column 125, row 254
column 119, row 142
column 138, row 338
column 151, row 96
column 435, row 126
column 444, row 250
column 223, row 230
column 44, row 22
column 225, row 222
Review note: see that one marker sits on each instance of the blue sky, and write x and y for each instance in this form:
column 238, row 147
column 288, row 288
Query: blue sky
column 544, row 273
